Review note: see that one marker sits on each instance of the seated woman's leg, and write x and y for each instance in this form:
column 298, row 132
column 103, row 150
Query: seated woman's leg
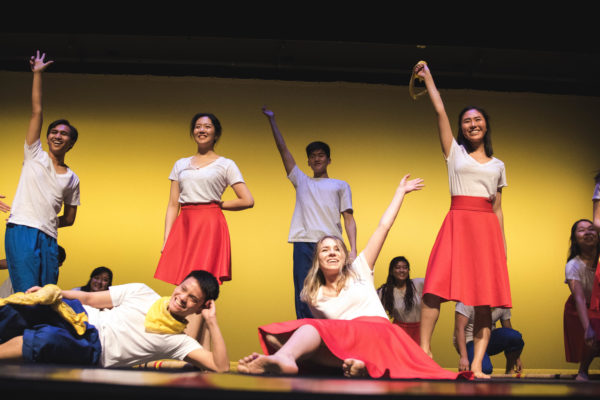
column 305, row 344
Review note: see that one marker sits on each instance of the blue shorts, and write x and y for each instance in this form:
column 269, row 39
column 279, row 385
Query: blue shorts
column 47, row 337
column 32, row 257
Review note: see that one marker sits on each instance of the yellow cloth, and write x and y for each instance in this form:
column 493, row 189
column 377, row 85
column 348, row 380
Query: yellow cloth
column 49, row 295
column 160, row 320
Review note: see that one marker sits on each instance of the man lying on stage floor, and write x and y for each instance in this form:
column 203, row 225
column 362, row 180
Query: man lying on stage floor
column 128, row 325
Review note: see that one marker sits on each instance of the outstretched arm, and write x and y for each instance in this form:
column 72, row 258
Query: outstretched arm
column 244, row 198
column 35, row 123
column 444, row 129
column 288, row 161
column 216, row 359
column 376, row 240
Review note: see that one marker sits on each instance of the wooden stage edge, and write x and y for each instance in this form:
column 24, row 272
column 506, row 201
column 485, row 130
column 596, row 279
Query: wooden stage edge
column 51, row 381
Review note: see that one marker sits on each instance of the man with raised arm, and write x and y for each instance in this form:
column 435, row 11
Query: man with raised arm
column 45, row 186
column 320, row 201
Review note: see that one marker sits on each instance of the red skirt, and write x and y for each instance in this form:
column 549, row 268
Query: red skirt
column 385, row 348
column 468, row 261
column 412, row 329
column 573, row 330
column 199, row 239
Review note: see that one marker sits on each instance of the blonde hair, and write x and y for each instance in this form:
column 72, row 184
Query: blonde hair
column 315, row 279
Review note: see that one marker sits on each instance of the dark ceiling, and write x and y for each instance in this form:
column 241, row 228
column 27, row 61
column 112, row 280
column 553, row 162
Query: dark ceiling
column 533, row 63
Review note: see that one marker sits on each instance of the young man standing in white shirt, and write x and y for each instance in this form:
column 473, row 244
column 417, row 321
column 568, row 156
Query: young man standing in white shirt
column 320, row 201
column 45, row 185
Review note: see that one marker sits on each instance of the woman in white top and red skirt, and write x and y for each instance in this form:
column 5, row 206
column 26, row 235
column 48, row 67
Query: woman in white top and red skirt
column 351, row 331
column 468, row 260
column 196, row 233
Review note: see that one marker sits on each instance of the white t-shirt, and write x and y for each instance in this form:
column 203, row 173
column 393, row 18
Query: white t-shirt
column 596, row 195
column 578, row 271
column 400, row 314
column 357, row 299
column 467, row 177
column 206, row 184
column 469, row 312
column 122, row 334
column 41, row 192
column 319, row 203
column 6, row 289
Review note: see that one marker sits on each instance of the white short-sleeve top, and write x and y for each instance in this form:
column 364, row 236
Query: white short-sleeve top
column 357, row 299
column 205, row 184
column 468, row 177
column 577, row 270
column 400, row 313
column 319, row 204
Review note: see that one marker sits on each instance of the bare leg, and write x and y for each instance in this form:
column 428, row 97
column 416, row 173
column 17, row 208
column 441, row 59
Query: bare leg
column 430, row 311
column 587, row 356
column 481, row 338
column 12, row 350
column 511, row 361
column 305, row 343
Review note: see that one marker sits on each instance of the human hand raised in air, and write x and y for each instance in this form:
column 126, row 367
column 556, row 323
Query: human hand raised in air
column 37, row 62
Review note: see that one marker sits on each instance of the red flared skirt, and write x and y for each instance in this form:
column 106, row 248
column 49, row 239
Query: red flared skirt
column 199, row 239
column 468, row 260
column 386, row 349
column 412, row 329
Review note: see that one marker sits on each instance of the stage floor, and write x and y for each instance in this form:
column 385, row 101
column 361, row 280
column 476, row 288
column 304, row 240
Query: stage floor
column 110, row 384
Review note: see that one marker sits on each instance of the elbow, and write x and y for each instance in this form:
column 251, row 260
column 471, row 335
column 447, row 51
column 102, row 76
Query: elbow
column 250, row 203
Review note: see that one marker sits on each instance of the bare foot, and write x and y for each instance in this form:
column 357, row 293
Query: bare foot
column 256, row 364
column 354, row 368
column 428, row 352
column 481, row 375
column 582, row 377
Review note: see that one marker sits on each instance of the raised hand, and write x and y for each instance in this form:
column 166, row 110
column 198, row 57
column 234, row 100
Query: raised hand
column 421, row 69
column 267, row 112
column 410, row 185
column 37, row 62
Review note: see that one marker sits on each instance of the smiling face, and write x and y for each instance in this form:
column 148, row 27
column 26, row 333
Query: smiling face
column 204, row 132
column 473, row 126
column 187, row 298
column 100, row 282
column 318, row 161
column 331, row 255
column 59, row 139
column 400, row 271
column 585, row 235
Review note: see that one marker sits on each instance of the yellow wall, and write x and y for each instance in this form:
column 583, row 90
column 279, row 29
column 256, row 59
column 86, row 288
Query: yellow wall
column 133, row 128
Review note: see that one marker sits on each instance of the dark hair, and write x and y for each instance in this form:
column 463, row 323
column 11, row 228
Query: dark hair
column 597, row 177
column 387, row 289
column 62, row 255
column 73, row 134
column 213, row 119
column 318, row 146
column 96, row 272
column 207, row 282
column 574, row 249
column 487, row 139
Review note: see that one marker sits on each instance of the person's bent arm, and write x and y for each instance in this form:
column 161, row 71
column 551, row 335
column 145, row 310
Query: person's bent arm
column 216, row 359
column 244, row 198
column 350, row 226
column 93, row 299
column 288, row 161
column 460, row 322
column 172, row 209
column 35, row 123
column 375, row 243
column 68, row 216
column 445, row 131
column 3, row 206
